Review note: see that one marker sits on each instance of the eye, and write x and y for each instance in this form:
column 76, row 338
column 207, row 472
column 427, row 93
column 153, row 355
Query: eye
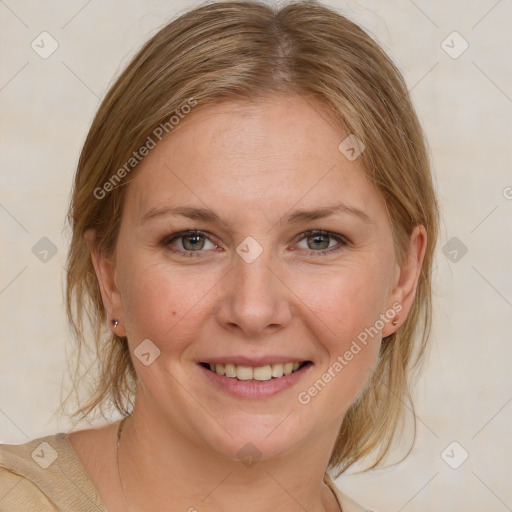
column 192, row 242
column 320, row 240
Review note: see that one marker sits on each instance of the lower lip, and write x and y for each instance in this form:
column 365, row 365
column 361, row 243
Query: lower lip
column 255, row 388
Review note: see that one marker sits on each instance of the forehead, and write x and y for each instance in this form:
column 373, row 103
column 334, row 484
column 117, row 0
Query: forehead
column 252, row 157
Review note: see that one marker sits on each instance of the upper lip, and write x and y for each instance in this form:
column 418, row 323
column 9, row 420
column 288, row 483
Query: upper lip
column 253, row 361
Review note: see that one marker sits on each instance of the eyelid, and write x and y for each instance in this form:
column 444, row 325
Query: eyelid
column 312, row 232
column 180, row 234
column 341, row 239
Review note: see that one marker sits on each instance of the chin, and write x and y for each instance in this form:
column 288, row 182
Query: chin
column 256, row 437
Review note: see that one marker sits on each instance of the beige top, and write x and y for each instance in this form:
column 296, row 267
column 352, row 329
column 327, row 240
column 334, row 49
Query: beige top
column 46, row 475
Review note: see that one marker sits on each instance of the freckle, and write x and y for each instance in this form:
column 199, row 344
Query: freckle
column 174, row 312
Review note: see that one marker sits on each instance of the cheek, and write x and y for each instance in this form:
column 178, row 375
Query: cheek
column 161, row 302
column 347, row 306
column 345, row 301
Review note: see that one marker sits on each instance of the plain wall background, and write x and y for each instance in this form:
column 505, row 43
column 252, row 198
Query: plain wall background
column 465, row 105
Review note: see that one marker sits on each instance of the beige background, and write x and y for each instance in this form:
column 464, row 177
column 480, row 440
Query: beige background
column 465, row 104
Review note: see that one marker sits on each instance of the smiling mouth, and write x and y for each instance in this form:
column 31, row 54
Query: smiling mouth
column 259, row 373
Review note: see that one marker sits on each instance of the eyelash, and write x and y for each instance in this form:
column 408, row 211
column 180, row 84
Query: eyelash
column 166, row 242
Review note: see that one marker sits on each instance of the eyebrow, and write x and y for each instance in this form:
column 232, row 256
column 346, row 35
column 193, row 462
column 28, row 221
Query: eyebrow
column 208, row 215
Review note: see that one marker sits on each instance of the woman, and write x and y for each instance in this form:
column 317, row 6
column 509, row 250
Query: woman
column 254, row 220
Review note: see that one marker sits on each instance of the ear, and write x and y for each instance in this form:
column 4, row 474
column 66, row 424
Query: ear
column 407, row 279
column 105, row 273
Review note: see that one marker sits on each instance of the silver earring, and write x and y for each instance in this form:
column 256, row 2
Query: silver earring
column 394, row 322
column 115, row 323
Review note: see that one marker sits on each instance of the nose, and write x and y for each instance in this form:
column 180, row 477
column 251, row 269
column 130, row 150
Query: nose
column 254, row 299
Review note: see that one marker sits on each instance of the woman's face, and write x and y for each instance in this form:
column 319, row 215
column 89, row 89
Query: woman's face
column 256, row 284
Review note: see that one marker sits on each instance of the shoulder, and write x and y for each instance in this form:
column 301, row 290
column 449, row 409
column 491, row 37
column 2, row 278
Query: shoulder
column 346, row 503
column 44, row 475
column 19, row 493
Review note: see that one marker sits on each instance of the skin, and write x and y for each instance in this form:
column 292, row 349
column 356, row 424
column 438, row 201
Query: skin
column 252, row 164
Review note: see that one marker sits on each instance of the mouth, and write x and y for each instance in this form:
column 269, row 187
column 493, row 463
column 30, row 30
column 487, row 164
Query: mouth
column 265, row 372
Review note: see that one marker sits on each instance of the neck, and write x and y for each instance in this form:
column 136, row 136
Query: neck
column 182, row 475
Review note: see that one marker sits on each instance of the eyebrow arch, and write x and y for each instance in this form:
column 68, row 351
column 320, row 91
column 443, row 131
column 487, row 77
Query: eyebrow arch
column 208, row 215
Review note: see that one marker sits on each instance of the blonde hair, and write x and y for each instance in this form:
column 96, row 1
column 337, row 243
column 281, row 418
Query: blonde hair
column 246, row 50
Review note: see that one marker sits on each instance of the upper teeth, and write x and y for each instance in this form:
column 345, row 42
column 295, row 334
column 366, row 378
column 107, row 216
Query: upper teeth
column 265, row 372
